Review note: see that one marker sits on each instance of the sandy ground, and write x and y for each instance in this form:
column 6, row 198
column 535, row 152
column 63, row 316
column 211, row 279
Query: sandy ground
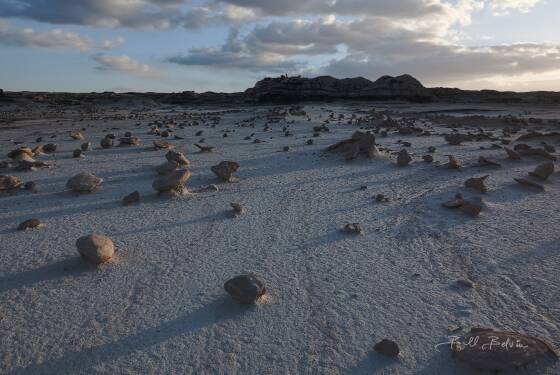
column 160, row 307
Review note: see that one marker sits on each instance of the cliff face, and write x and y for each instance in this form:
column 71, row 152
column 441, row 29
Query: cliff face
column 294, row 89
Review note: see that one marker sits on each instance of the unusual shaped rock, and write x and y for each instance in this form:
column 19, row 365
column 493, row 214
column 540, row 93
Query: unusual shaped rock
column 477, row 184
column 173, row 182
column 246, row 289
column 360, row 143
column 388, row 348
column 84, row 183
column 95, row 248
column 489, row 350
column 225, row 170
column 177, row 157
column 404, row 158
column 543, row 171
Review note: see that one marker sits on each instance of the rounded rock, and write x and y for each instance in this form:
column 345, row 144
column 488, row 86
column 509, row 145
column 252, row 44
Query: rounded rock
column 95, row 248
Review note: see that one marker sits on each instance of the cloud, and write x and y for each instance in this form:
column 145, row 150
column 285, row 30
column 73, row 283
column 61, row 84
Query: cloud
column 51, row 39
column 123, row 63
column 503, row 7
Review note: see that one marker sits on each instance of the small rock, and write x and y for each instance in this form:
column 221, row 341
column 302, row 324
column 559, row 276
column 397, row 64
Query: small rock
column 483, row 162
column 477, row 184
column 529, row 184
column 86, row 146
column 204, row 149
column 78, row 154
column 131, row 198
column 106, row 142
column 428, row 158
column 77, row 136
column 225, row 170
column 129, row 141
column 513, row 155
column 238, row 209
column 466, row 283
column 8, row 183
column 30, row 186
column 84, row 183
column 162, row 145
column 30, row 224
column 246, row 289
column 96, row 248
column 404, row 158
column 353, row 228
column 388, row 348
column 453, row 162
column 49, row 148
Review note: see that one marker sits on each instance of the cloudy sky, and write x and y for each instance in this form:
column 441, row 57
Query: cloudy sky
column 226, row 45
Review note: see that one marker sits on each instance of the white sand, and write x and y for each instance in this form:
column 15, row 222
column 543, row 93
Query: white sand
column 160, row 308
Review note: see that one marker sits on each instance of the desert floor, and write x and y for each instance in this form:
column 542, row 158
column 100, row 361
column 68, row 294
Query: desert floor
column 160, row 306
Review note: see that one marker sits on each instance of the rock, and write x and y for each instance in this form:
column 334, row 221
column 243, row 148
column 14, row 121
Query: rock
column 286, row 148
column 84, row 183
column 353, row 228
column 38, row 151
column 428, row 158
column 173, row 182
column 106, row 142
column 204, row 149
column 49, row 148
column 30, row 165
column 360, row 143
column 387, row 347
column 457, row 139
column 466, row 283
column 30, row 224
column 208, row 189
column 404, row 158
column 167, row 167
column 78, row 154
column 529, row 184
column 8, row 183
column 238, row 209
column 471, row 207
column 129, row 141
column 381, row 198
column 77, row 136
column 128, row 134
column 543, row 171
column 22, row 153
column 483, row 162
column 162, row 145
column 225, row 170
column 177, row 157
column 453, row 162
column 489, row 350
column 86, row 146
column 96, row 248
column 30, row 186
column 431, row 149
column 131, row 198
column 477, row 184
column 513, row 155
column 246, row 289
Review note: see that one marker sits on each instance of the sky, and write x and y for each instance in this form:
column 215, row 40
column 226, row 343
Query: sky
column 227, row 45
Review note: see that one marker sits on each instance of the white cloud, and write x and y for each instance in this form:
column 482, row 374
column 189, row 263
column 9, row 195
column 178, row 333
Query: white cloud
column 503, row 7
column 123, row 63
column 51, row 39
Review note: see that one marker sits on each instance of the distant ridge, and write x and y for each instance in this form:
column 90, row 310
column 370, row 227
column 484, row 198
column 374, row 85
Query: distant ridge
column 285, row 89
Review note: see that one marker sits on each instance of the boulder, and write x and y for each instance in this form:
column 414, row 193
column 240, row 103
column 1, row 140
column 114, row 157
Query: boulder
column 95, row 248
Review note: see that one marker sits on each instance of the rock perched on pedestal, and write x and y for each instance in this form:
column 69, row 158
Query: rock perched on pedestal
column 173, row 182
column 177, row 157
column 225, row 170
column 84, row 183
column 246, row 289
column 96, row 248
